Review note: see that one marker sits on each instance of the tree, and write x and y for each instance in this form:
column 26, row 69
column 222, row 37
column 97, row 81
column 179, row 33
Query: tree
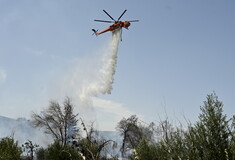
column 92, row 146
column 58, row 121
column 9, row 149
column 212, row 131
column 132, row 132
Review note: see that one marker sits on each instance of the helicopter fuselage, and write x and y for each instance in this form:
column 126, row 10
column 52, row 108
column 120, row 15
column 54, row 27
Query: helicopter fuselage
column 115, row 26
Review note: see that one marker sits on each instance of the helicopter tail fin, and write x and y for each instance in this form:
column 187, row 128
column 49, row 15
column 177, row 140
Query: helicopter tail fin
column 95, row 32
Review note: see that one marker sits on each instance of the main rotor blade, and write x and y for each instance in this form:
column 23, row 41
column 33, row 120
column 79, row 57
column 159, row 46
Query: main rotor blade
column 134, row 21
column 122, row 15
column 109, row 15
column 103, row 21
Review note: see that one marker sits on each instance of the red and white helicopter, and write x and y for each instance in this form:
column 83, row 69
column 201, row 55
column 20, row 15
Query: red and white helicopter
column 117, row 24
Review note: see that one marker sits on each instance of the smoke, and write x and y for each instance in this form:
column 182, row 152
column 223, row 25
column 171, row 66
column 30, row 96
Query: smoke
column 22, row 130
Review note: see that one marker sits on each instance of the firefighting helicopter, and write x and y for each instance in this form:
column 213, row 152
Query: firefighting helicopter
column 117, row 24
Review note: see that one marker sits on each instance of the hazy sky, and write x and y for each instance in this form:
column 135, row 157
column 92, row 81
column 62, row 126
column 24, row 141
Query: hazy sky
column 179, row 52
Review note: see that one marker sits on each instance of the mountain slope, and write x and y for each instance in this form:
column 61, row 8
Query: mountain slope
column 22, row 130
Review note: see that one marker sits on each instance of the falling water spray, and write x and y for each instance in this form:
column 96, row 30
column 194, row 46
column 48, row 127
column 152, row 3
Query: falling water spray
column 111, row 62
column 102, row 83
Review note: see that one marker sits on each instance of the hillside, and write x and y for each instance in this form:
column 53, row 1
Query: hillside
column 22, row 130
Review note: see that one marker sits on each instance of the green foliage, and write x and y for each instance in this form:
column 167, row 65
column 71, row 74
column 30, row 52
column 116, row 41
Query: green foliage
column 176, row 145
column 212, row 131
column 172, row 146
column 232, row 143
column 191, row 141
column 9, row 149
column 56, row 151
column 40, row 154
column 145, row 151
column 212, row 137
column 89, row 149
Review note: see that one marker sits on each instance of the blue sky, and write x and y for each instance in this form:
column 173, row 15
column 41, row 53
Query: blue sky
column 179, row 52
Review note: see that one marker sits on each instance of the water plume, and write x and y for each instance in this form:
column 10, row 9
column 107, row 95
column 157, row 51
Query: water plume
column 104, row 74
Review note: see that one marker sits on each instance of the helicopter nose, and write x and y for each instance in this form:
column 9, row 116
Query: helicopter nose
column 127, row 24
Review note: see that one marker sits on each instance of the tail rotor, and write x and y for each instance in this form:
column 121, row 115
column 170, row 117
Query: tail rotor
column 95, row 32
